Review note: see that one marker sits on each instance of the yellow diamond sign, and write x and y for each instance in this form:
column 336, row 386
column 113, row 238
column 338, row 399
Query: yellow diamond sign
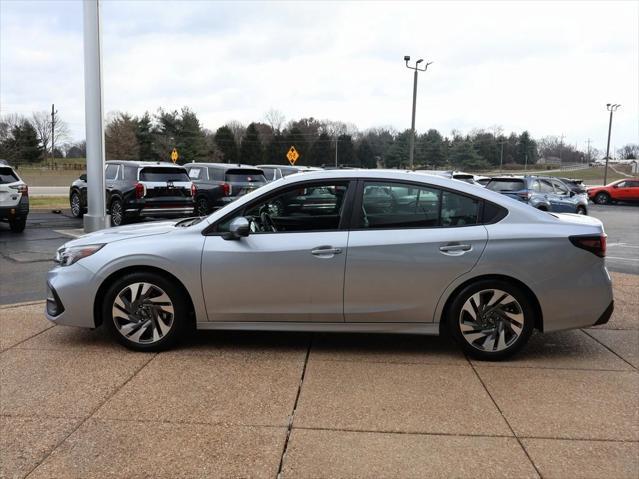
column 292, row 155
column 174, row 155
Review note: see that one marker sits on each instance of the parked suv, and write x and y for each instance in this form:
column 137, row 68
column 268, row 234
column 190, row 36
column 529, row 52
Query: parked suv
column 218, row 184
column 620, row 190
column 543, row 193
column 14, row 198
column 136, row 189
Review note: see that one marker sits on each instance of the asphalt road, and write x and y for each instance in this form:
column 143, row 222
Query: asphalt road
column 25, row 258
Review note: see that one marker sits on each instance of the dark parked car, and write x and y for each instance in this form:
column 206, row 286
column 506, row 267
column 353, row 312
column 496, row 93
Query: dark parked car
column 543, row 193
column 136, row 189
column 218, row 184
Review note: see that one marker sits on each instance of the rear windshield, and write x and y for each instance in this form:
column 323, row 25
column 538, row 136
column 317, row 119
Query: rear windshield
column 7, row 176
column 245, row 176
column 156, row 173
column 508, row 184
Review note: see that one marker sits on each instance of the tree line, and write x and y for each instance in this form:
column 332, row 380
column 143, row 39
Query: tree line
column 152, row 137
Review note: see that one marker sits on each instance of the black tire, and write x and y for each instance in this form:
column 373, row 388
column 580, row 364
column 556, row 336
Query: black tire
column 76, row 205
column 18, row 225
column 119, row 325
column 542, row 208
column 474, row 347
column 202, row 207
column 581, row 210
column 117, row 212
column 602, row 198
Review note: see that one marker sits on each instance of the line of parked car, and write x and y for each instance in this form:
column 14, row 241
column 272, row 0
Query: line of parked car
column 142, row 189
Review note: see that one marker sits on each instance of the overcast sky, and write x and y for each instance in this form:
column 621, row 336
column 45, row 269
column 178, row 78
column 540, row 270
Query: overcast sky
column 547, row 67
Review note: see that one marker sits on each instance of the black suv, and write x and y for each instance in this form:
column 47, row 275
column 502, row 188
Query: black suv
column 218, row 184
column 137, row 189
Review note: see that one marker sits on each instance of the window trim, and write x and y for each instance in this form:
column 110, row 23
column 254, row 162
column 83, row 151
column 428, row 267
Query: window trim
column 356, row 217
column 344, row 222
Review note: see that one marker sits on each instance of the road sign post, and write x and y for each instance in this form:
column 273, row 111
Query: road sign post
column 292, row 155
column 174, row 155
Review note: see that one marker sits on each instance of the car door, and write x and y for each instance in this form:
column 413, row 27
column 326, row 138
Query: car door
column 563, row 201
column 290, row 267
column 404, row 252
column 110, row 178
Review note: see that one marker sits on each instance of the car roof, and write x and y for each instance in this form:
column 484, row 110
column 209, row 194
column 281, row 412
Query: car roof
column 144, row 163
column 226, row 166
column 297, row 167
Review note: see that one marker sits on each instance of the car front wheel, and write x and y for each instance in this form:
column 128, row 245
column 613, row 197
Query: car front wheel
column 18, row 225
column 76, row 206
column 491, row 319
column 581, row 210
column 145, row 311
column 117, row 213
column 602, row 198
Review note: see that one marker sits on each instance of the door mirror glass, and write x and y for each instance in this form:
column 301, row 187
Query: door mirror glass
column 238, row 228
column 83, row 177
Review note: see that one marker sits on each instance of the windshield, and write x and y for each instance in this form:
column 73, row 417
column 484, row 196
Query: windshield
column 509, row 184
column 163, row 174
column 245, row 176
column 7, row 176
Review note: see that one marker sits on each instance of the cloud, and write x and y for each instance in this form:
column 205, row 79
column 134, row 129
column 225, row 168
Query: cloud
column 546, row 67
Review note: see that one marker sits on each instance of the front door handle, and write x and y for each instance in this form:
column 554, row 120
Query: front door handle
column 325, row 250
column 455, row 248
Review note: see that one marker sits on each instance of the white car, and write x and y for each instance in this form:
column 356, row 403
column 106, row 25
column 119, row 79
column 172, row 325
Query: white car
column 14, row 198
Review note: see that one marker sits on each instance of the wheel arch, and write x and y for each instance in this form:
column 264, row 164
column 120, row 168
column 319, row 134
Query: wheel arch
column 106, row 284
column 539, row 320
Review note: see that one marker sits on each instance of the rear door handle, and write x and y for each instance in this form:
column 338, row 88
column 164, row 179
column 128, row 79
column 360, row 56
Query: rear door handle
column 455, row 248
column 325, row 250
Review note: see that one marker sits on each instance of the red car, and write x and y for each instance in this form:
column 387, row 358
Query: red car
column 620, row 190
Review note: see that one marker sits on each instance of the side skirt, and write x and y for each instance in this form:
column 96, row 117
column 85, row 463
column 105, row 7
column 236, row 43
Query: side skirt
column 431, row 329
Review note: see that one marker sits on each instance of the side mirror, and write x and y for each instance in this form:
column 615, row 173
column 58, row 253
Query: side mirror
column 238, row 228
column 83, row 177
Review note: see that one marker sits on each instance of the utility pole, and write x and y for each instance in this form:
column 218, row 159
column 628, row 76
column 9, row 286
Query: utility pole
column 53, row 113
column 561, row 149
column 501, row 157
column 336, row 151
column 611, row 108
column 411, row 152
column 588, row 151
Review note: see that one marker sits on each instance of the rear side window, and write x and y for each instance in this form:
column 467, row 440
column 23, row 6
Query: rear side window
column 111, row 172
column 7, row 176
column 158, row 173
column 130, row 173
column 245, row 176
column 197, row 173
column 216, row 174
column 458, row 210
column 510, row 184
column 493, row 213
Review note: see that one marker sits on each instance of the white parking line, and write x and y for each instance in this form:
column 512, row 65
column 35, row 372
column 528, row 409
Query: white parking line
column 617, row 258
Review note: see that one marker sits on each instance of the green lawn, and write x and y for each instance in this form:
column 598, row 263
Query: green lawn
column 49, row 202
column 591, row 175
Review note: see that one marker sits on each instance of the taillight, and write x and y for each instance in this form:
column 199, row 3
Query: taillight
column 139, row 190
column 24, row 189
column 193, row 190
column 525, row 195
column 595, row 244
column 226, row 188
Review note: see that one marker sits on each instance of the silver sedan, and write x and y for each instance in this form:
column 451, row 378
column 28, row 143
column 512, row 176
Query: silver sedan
column 343, row 251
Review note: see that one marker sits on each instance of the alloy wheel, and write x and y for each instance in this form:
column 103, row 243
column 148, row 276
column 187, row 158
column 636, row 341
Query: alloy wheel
column 75, row 205
column 491, row 320
column 143, row 313
column 116, row 213
column 202, row 207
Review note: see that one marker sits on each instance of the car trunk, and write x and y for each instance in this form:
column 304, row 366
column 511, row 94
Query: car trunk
column 165, row 184
column 244, row 180
column 9, row 184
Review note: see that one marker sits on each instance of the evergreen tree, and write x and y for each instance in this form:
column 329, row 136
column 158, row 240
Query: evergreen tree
column 190, row 141
column 397, row 155
column 23, row 143
column 526, row 149
column 295, row 138
column 365, row 155
column 144, row 135
column 345, row 150
column 225, row 142
column 251, row 146
column 321, row 153
column 431, row 150
column 275, row 152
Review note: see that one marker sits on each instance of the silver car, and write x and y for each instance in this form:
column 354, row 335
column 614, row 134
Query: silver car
column 343, row 251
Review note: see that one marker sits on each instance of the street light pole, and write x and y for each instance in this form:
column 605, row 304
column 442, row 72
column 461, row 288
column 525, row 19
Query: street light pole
column 411, row 153
column 611, row 108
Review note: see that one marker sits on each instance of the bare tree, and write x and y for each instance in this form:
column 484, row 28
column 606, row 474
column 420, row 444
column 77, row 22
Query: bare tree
column 275, row 119
column 238, row 129
column 41, row 121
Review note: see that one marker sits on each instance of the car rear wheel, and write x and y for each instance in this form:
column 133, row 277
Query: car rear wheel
column 491, row 319
column 202, row 207
column 145, row 312
column 18, row 225
column 117, row 213
column 602, row 198
column 76, row 206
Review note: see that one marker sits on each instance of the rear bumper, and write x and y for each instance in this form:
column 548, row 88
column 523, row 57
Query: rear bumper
column 605, row 317
column 160, row 207
column 163, row 211
column 20, row 210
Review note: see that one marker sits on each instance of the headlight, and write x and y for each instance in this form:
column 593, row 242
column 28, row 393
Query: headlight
column 68, row 256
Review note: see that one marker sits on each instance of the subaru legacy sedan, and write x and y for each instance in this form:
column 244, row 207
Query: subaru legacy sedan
column 343, row 251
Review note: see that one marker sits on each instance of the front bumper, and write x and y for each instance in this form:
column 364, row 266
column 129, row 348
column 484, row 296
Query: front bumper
column 605, row 317
column 72, row 291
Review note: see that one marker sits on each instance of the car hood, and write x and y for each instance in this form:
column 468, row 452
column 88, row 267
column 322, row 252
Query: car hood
column 118, row 233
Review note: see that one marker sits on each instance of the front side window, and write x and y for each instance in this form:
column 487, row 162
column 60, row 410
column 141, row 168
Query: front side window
column 306, row 207
column 390, row 205
column 545, row 187
column 560, row 188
